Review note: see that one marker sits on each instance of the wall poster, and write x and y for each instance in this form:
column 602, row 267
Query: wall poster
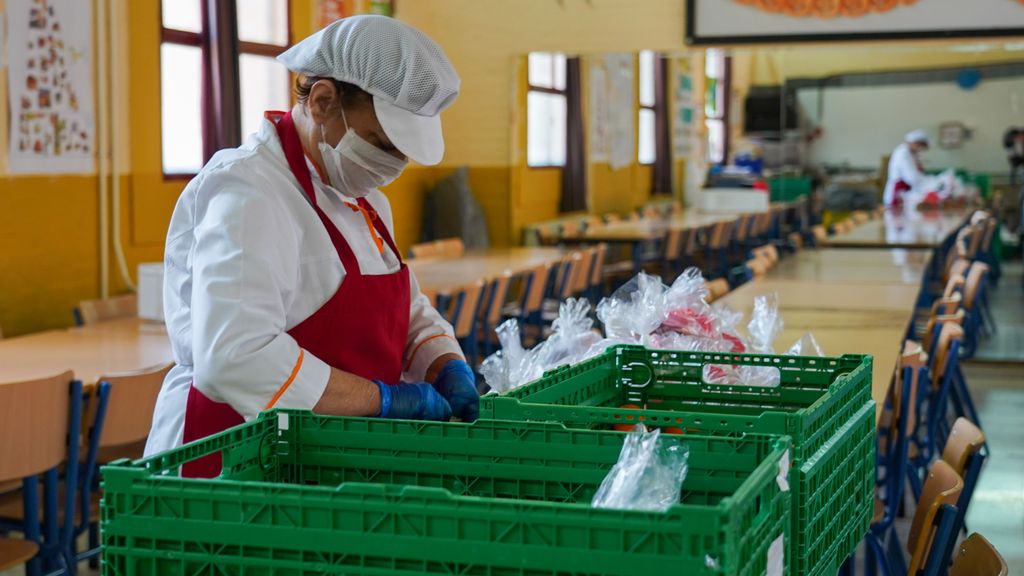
column 50, row 86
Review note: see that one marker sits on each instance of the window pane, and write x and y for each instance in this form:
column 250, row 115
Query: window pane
column 559, row 71
column 545, row 129
column 714, row 64
column 264, row 21
column 647, row 78
column 182, row 15
column 263, row 83
column 540, row 69
column 716, row 141
column 180, row 108
column 645, row 147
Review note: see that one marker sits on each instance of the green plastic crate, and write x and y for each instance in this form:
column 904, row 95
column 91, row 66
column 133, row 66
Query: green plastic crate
column 815, row 402
column 788, row 188
column 304, row 494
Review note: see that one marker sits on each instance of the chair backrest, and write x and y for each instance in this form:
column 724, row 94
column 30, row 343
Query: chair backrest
column 977, row 236
column 425, row 250
column 743, row 227
column 796, row 239
column 977, row 557
column 597, row 268
column 547, row 235
column 757, row 267
column 584, row 270
column 720, row 235
column 965, row 440
column 954, row 285
column 673, row 244
column 948, row 334
column 633, row 216
column 939, row 320
column 464, row 308
column 451, row 247
column 990, row 229
column 820, row 234
column 973, row 282
column 495, row 295
column 860, row 217
column 650, row 212
column 93, row 311
column 34, row 425
column 536, row 285
column 612, row 218
column 716, row 289
column 569, row 228
column 591, row 222
column 941, row 488
column 566, row 279
column 958, row 266
column 130, row 408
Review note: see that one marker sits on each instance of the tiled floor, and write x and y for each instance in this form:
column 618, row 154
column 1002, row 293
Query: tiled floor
column 1007, row 303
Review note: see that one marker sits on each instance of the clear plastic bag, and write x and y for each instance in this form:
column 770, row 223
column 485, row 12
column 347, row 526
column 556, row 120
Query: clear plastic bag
column 648, row 475
column 634, row 311
column 513, row 366
column 805, row 346
column 765, row 324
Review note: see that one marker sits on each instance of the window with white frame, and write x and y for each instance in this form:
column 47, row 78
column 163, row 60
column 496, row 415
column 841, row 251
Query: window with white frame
column 646, row 150
column 716, row 117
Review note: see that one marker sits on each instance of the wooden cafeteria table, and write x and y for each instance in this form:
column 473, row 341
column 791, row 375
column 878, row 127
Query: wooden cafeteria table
column 904, row 229
column 91, row 351
column 867, row 266
column 442, row 275
column 844, row 319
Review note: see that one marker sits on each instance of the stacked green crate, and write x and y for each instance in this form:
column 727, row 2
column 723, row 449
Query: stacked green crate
column 823, row 404
column 304, row 494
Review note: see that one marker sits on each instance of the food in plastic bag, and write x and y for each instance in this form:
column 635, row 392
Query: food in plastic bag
column 805, row 346
column 765, row 324
column 648, row 475
column 512, row 365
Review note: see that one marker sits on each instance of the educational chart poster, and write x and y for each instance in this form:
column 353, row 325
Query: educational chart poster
column 684, row 113
column 49, row 78
column 599, row 114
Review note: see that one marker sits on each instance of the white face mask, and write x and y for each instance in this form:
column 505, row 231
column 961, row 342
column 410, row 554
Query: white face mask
column 356, row 167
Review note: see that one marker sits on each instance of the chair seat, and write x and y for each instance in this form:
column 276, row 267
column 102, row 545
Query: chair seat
column 11, row 506
column 14, row 552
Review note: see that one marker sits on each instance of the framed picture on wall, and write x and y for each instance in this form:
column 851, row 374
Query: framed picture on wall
column 724, row 22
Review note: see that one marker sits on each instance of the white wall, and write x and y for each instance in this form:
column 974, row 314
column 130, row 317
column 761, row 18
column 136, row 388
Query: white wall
column 861, row 124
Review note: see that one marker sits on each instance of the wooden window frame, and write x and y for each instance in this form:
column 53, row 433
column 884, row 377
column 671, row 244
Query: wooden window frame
column 232, row 45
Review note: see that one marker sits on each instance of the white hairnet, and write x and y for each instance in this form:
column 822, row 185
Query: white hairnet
column 917, row 136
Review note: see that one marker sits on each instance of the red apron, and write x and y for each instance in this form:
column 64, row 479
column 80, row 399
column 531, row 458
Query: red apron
column 897, row 192
column 362, row 329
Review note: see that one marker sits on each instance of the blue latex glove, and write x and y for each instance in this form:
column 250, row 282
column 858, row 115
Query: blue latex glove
column 412, row 402
column 457, row 384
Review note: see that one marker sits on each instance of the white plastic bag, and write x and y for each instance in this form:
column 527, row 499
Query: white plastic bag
column 765, row 324
column 805, row 346
column 512, row 365
column 634, row 311
column 648, row 475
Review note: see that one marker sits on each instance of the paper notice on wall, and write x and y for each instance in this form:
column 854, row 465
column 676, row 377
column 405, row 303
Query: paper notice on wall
column 622, row 115
column 684, row 116
column 598, row 82
column 50, row 86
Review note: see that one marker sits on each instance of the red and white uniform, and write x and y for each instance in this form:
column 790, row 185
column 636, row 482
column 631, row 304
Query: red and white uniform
column 271, row 278
column 905, row 171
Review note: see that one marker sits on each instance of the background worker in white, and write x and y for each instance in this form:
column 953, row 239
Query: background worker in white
column 261, row 308
column 905, row 168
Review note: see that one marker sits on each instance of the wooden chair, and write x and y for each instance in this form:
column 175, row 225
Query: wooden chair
column 591, row 222
column 796, row 240
column 547, row 235
column 569, row 228
column 860, row 217
column 596, row 285
column 820, row 235
column 717, row 251
column 93, row 311
column 451, row 247
column 977, row 557
column 425, row 250
column 612, row 218
column 462, row 311
column 129, row 412
column 650, row 213
column 35, row 418
column 716, row 289
column 756, row 268
column 494, row 296
column 671, row 261
column 965, row 452
column 932, row 531
column 531, row 301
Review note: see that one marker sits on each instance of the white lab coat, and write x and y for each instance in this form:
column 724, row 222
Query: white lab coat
column 902, row 166
column 246, row 260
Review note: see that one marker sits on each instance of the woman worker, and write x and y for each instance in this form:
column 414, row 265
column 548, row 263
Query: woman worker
column 905, row 169
column 283, row 287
